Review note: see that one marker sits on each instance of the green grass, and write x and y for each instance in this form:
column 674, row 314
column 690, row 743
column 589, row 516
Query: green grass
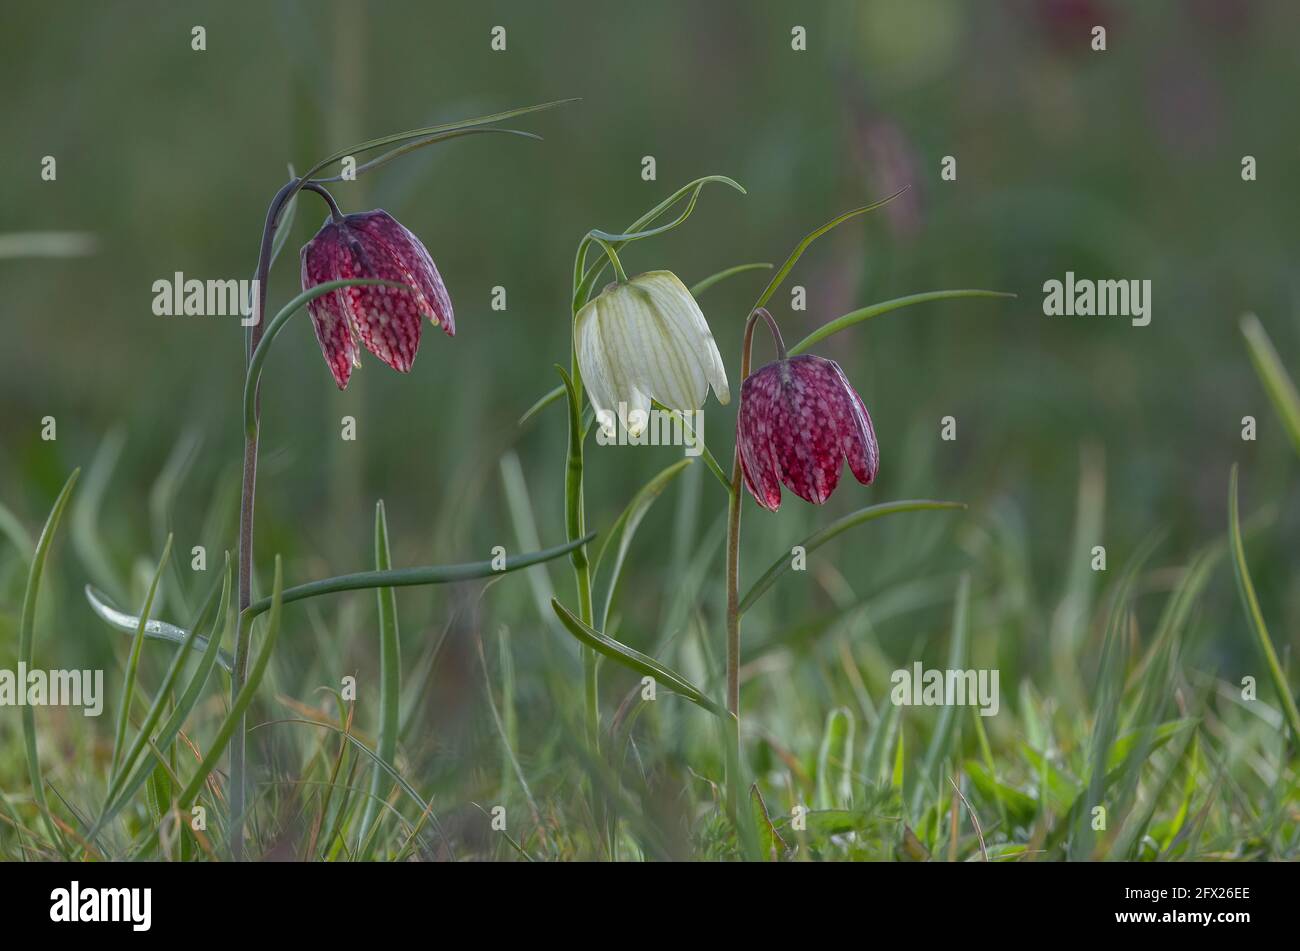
column 1142, row 724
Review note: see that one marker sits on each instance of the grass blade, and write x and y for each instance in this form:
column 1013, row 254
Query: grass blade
column 13, row 529
column 408, row 577
column 622, row 533
column 245, row 697
column 699, row 287
column 807, row 241
column 941, row 739
column 634, row 660
column 154, row 630
column 208, row 615
column 854, row 317
column 188, row 700
column 821, row 537
column 133, row 662
column 26, row 643
column 390, row 672
column 1250, row 603
column 1277, row 382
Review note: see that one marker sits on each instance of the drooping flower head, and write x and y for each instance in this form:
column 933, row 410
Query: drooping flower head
column 386, row 320
column 799, row 420
column 646, row 339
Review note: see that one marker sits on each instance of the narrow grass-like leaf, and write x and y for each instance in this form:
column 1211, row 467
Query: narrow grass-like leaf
column 188, row 699
column 689, row 433
column 390, row 672
column 623, row 532
column 208, row 615
column 242, row 700
column 154, row 630
column 541, row 404
column 415, row 144
column 941, row 739
column 85, row 514
column 584, row 278
column 26, row 644
column 284, row 228
column 769, row 840
column 366, row 751
column 1250, row 604
column 835, row 761
column 1277, row 382
column 429, row 133
column 822, row 536
column 807, row 241
column 854, row 317
column 635, row 660
column 13, row 529
column 133, row 663
column 408, row 577
column 699, row 287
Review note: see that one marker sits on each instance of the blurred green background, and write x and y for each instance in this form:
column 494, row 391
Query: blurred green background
column 1115, row 164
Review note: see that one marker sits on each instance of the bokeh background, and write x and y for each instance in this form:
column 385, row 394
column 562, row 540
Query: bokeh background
column 1117, row 164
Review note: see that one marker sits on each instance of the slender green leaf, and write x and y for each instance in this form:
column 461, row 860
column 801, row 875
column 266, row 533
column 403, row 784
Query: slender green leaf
column 835, row 761
column 26, row 645
column 699, row 287
column 243, row 699
column 285, row 226
column 807, row 241
column 624, row 530
column 133, row 663
column 822, row 536
column 188, row 699
column 1250, row 603
column 1277, row 382
column 429, row 132
column 390, row 672
column 411, row 146
column 541, row 404
column 634, row 660
column 13, row 529
column 155, row 630
column 884, row 307
column 409, row 577
column 941, row 738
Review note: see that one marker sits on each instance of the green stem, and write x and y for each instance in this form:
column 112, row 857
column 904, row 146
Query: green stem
column 735, row 765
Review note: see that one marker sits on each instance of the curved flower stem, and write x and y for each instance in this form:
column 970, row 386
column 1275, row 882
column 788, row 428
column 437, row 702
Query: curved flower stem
column 335, row 215
column 239, row 672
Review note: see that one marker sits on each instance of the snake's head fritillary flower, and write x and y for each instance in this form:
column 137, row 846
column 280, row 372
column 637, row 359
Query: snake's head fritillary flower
column 646, row 339
column 799, row 420
column 387, row 320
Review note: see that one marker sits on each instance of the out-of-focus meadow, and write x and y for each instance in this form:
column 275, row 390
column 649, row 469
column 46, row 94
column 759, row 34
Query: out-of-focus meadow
column 1071, row 432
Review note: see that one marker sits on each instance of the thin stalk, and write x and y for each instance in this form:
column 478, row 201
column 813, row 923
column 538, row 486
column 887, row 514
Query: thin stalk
column 732, row 726
column 239, row 672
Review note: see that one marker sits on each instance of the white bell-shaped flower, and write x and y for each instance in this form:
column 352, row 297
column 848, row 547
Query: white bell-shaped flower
column 646, row 339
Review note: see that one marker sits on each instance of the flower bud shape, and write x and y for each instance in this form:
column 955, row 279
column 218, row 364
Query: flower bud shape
column 385, row 319
column 646, row 339
column 799, row 420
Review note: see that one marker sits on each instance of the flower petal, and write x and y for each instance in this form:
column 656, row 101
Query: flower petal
column 412, row 258
column 337, row 343
column 687, row 361
column 758, row 416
